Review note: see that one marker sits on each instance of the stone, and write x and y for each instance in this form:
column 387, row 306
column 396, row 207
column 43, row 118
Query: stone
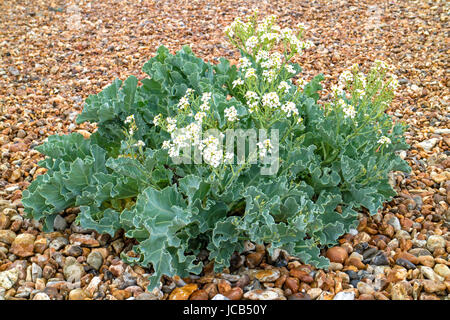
column 405, row 263
column 147, row 296
column 59, row 223
column 337, row 254
column 92, row 287
column 365, row 288
column 442, row 270
column 36, row 272
column 41, row 296
column 199, row 295
column 397, row 274
column 260, row 294
column 428, row 273
column 380, row 259
column 23, row 245
column 356, row 262
column 7, row 236
column 334, row 266
column 292, row 284
column 314, row 293
column 269, row 275
column 395, row 223
column 73, row 271
column 78, row 294
column 95, row 260
column 343, row 295
column 235, row 293
column 434, row 242
column 84, row 240
column 302, row 275
column 58, row 243
column 427, row 145
column 431, row 286
column 427, row 261
column 399, row 292
column 299, row 296
column 5, row 221
column 121, row 294
column 73, row 250
column 223, row 286
column 183, row 293
column 254, row 259
column 9, row 278
column 219, row 297
column 40, row 245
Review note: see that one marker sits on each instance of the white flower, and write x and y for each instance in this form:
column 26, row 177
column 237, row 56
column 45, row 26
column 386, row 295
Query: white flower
column 131, row 131
column 345, row 77
column 245, row 63
column 166, row 144
column 271, row 100
column 229, row 31
column 301, row 26
column 129, row 119
column 199, row 116
column 229, row 156
column 231, row 114
column 276, row 60
column 269, row 75
column 302, row 83
column 238, row 82
column 171, row 124
column 289, row 108
column 286, row 33
column 251, row 96
column 349, row 111
column 384, row 140
column 264, row 147
column 251, row 73
column 157, row 119
column 183, row 103
column 204, row 107
column 174, row 151
column 284, row 86
column 251, row 42
column 262, row 55
column 206, row 97
column 393, row 84
column 140, row 143
column 337, row 89
column 290, row 69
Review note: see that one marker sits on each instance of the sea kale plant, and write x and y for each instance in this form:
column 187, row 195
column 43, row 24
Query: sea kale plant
column 202, row 156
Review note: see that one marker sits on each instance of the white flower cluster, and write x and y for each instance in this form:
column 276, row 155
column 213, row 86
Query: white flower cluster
column 290, row 109
column 271, row 100
column 384, row 140
column 129, row 119
column 231, row 114
column 284, row 86
column 349, row 110
column 264, row 147
column 212, row 151
column 252, row 100
column 301, row 83
column 238, row 82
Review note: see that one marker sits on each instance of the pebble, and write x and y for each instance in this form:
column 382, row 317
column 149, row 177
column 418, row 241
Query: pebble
column 435, row 242
column 41, row 296
column 95, row 260
column 442, row 270
column 268, row 275
column 405, row 263
column 93, row 286
column 73, row 271
column 431, row 286
column 219, row 297
column 365, row 288
column 9, row 278
column 337, row 254
column 23, row 245
column 183, row 293
column 380, row 259
column 235, row 293
column 78, row 294
column 59, row 223
column 342, row 295
column 314, row 293
column 58, row 243
column 428, row 273
column 427, row 145
column 199, row 295
column 260, row 294
column 7, row 236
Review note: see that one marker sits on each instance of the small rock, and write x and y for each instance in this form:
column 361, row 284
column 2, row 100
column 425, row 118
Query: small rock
column 405, row 263
column 199, row 295
column 431, row 286
column 365, row 288
column 380, row 259
column 428, row 273
column 315, row 292
column 219, row 297
column 260, row 294
column 59, row 223
column 235, row 293
column 78, row 294
column 268, row 275
column 41, row 296
column 84, row 240
column 254, row 259
column 337, row 254
column 23, row 245
column 58, row 243
column 8, row 278
column 95, row 260
column 442, row 270
column 427, row 145
column 434, row 242
column 7, row 236
column 73, row 271
column 342, row 295
column 184, row 292
column 93, row 286
column 399, row 291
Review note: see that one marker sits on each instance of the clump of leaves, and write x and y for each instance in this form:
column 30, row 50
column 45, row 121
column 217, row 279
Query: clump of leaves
column 333, row 160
